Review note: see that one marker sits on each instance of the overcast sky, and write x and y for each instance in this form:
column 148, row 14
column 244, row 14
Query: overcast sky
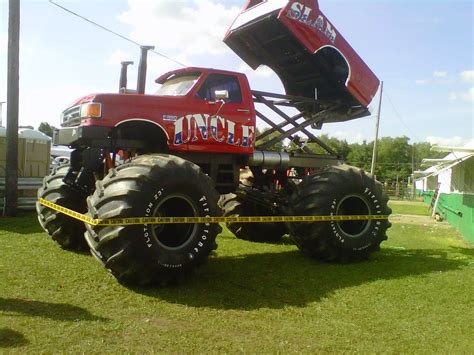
column 422, row 50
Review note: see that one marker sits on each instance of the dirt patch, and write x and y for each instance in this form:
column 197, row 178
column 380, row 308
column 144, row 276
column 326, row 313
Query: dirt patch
column 419, row 220
column 408, row 203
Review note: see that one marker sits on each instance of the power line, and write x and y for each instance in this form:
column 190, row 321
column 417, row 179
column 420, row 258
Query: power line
column 400, row 118
column 113, row 32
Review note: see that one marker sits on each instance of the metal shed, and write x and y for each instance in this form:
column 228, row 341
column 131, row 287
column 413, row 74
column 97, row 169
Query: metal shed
column 34, row 149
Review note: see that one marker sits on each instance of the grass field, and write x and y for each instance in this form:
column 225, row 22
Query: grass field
column 409, row 207
column 416, row 295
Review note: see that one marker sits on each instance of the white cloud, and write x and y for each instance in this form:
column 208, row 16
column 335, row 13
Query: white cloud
column 350, row 137
column 467, row 76
column 156, row 66
column 117, row 57
column 466, row 96
column 443, row 77
column 193, row 27
column 32, row 98
column 261, row 72
column 440, row 74
column 455, row 141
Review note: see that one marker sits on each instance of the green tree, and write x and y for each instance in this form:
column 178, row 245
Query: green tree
column 277, row 147
column 360, row 155
column 423, row 151
column 341, row 147
column 46, row 128
column 393, row 159
column 396, row 157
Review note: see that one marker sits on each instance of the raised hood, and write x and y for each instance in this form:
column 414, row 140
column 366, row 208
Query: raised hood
column 312, row 59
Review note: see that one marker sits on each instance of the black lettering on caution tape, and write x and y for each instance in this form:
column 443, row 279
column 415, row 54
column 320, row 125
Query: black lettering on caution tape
column 177, row 220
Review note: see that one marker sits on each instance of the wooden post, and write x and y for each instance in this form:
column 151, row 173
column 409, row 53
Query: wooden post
column 11, row 178
column 397, row 189
column 413, row 172
column 374, row 153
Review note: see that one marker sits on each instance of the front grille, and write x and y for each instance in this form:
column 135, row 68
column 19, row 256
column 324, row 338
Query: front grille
column 71, row 116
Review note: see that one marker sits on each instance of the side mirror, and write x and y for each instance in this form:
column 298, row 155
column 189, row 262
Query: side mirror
column 221, row 94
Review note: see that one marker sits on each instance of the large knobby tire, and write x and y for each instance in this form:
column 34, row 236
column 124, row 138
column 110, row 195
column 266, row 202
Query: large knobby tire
column 234, row 206
column 153, row 185
column 339, row 190
column 66, row 231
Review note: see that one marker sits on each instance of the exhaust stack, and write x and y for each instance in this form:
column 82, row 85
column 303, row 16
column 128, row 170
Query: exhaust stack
column 123, row 77
column 141, row 81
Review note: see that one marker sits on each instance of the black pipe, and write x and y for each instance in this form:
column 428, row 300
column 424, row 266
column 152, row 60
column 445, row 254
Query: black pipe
column 141, row 82
column 123, row 77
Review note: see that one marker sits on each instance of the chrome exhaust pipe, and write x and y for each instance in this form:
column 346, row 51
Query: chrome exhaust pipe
column 270, row 160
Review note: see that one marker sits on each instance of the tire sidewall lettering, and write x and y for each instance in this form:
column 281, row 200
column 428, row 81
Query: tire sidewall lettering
column 200, row 241
column 366, row 239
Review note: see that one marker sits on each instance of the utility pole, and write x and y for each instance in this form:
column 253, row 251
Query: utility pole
column 374, row 153
column 413, row 171
column 11, row 178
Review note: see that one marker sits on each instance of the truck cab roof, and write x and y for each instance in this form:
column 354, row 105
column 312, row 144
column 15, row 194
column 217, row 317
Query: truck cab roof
column 193, row 70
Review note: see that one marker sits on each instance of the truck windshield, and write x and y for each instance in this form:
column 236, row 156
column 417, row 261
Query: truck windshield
column 178, row 85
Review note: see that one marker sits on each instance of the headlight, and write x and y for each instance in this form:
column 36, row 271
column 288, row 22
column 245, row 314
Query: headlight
column 91, row 110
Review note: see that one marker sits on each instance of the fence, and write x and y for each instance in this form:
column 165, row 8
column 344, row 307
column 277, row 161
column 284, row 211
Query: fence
column 401, row 192
column 27, row 188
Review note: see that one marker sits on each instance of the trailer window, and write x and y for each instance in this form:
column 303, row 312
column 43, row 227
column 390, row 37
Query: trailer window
column 178, row 85
column 220, row 82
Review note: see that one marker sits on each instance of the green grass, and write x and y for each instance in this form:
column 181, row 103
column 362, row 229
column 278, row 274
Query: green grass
column 416, row 295
column 409, row 207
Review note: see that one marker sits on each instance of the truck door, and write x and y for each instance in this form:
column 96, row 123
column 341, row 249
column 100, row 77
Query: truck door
column 230, row 124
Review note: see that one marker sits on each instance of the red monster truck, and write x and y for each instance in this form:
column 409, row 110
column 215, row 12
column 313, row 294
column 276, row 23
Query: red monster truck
column 183, row 150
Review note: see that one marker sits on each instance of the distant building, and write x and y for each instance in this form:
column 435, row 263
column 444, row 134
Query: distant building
column 452, row 177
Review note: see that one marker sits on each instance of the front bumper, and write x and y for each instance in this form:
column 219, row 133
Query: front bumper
column 82, row 136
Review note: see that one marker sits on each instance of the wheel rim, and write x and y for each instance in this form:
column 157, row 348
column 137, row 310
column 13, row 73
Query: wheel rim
column 353, row 205
column 174, row 236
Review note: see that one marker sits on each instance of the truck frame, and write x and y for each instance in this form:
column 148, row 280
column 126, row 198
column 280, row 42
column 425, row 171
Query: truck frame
column 193, row 149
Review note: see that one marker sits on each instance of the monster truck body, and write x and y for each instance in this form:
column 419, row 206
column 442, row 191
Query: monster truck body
column 172, row 153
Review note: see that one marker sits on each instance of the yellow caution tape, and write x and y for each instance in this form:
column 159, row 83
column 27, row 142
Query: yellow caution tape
column 176, row 220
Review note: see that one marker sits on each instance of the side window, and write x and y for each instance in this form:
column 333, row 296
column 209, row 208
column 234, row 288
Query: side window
column 220, row 82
